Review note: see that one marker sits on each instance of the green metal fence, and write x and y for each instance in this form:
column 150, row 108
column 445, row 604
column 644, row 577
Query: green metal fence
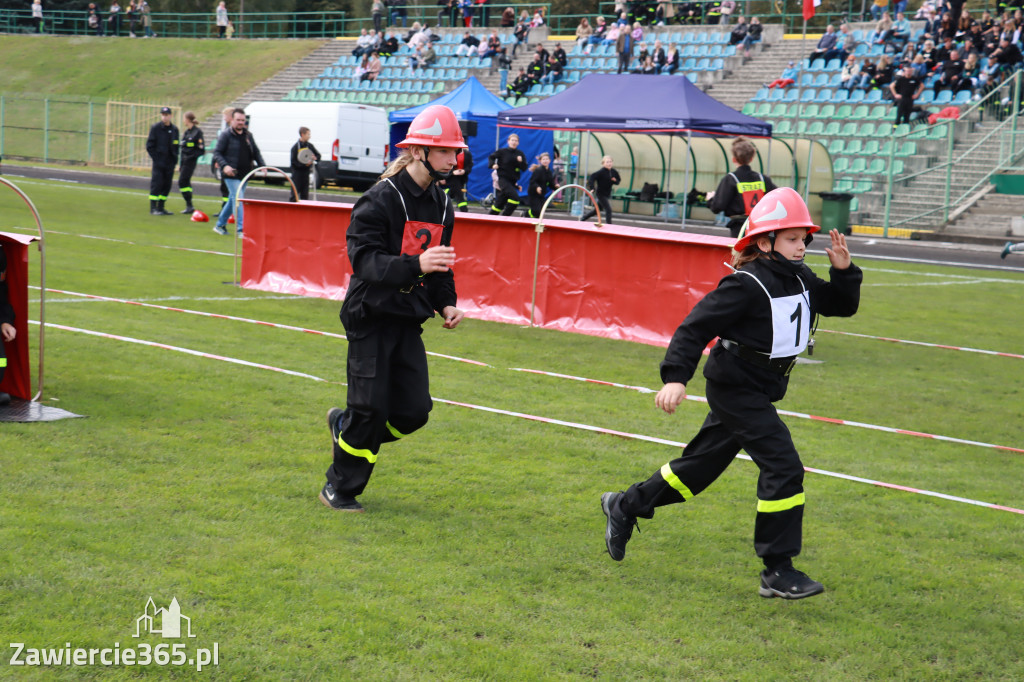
column 62, row 129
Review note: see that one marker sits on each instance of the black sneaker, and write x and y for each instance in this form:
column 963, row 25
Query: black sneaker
column 333, row 417
column 337, row 501
column 619, row 528
column 788, row 583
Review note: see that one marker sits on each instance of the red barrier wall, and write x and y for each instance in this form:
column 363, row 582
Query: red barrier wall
column 18, row 377
column 615, row 281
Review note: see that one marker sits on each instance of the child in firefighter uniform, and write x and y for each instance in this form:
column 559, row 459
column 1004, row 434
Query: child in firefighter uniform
column 739, row 191
column 399, row 244
column 762, row 314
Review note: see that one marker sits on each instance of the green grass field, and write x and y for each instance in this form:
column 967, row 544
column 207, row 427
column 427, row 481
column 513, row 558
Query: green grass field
column 481, row 555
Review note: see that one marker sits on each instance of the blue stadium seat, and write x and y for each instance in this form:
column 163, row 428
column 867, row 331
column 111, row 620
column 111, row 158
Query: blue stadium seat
column 962, row 97
column 856, row 96
column 873, row 96
column 761, row 95
column 692, row 77
column 824, row 96
column 834, row 65
column 808, row 95
column 944, row 97
column 717, row 64
column 792, row 95
column 927, row 97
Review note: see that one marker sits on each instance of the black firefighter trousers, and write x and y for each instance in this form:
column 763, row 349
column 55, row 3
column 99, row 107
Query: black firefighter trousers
column 388, row 397
column 744, row 418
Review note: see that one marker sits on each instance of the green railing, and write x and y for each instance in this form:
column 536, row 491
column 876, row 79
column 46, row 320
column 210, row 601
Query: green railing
column 52, row 128
column 1000, row 110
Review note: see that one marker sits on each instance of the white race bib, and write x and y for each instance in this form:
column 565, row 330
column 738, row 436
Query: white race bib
column 791, row 321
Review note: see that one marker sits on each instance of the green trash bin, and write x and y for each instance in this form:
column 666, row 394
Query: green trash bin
column 835, row 211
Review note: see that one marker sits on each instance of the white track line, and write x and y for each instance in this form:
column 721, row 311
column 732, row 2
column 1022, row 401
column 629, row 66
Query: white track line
column 125, row 241
column 929, row 345
column 523, row 415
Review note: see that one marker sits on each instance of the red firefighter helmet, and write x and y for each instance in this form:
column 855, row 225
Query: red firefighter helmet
column 780, row 209
column 200, row 217
column 435, row 126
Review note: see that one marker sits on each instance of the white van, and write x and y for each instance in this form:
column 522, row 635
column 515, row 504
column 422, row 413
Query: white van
column 351, row 138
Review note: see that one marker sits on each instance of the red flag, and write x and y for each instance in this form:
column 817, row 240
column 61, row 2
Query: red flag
column 809, row 6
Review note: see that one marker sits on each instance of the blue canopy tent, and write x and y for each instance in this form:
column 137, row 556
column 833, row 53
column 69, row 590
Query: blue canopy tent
column 471, row 101
column 634, row 103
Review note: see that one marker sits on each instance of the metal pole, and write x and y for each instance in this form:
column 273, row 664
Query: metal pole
column 46, row 129
column 88, row 138
column 686, row 178
column 668, row 180
column 234, row 208
column 2, row 107
column 949, row 169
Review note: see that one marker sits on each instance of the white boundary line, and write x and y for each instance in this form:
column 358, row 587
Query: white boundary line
column 523, row 415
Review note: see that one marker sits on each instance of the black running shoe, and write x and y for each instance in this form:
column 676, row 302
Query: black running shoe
column 788, row 583
column 333, row 419
column 337, row 501
column 619, row 528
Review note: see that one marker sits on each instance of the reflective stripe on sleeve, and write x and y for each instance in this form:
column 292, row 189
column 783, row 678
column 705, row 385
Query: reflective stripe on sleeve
column 770, row 506
column 673, row 480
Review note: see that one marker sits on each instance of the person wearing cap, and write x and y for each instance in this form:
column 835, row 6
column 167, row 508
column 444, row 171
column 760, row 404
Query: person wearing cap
column 399, row 243
column 739, row 191
column 762, row 315
column 905, row 89
column 162, row 146
column 787, row 78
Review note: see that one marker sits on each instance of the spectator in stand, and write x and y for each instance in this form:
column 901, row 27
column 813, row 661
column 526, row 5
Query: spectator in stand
column 878, row 8
column 898, row 34
column 222, row 18
column 444, row 8
column 93, row 20
column 114, row 19
column 37, row 15
column 920, row 66
column 535, row 69
column 646, row 67
column 659, row 56
column 905, row 89
column 825, row 43
column 493, row 45
column 787, row 78
column 372, row 68
column 1004, row 60
column 508, row 18
column 598, row 35
column 624, row 49
column 543, row 53
column 377, row 10
column 363, row 43
column 988, row 24
column 883, row 29
column 538, row 19
column 466, row 6
column 974, row 75
column 519, row 86
column 468, row 45
column 642, row 56
column 942, row 52
column 553, row 72
column 425, row 56
column 416, row 36
column 754, row 29
column 951, row 74
column 389, row 46
column 739, row 31
column 398, row 11
column 867, row 75
column 975, row 41
column 726, row 10
column 583, row 33
column 132, row 15
column 522, row 35
column 559, row 54
column 927, row 53
column 849, row 77
column 147, row 21
column 672, row 60
column 963, row 28
column 845, row 45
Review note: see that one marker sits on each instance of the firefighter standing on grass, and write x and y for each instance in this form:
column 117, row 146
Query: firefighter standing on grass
column 192, row 147
column 162, row 147
column 739, row 191
column 399, row 244
column 510, row 164
column 456, row 183
column 762, row 315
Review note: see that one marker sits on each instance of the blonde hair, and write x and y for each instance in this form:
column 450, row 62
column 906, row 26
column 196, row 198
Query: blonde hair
column 743, row 150
column 399, row 164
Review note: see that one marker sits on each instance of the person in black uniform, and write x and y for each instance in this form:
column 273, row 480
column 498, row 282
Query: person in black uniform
column 237, row 155
column 905, row 89
column 602, row 182
column 762, row 315
column 162, row 147
column 300, row 170
column 455, row 185
column 510, row 164
column 739, row 191
column 192, row 147
column 542, row 181
column 7, row 330
column 399, row 244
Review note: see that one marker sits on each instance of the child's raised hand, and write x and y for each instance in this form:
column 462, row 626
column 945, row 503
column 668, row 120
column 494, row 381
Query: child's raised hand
column 839, row 254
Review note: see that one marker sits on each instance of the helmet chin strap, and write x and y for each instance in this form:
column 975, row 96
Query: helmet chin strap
column 434, row 173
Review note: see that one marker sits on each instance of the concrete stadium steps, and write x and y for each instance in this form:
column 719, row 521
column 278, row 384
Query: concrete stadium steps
column 993, row 219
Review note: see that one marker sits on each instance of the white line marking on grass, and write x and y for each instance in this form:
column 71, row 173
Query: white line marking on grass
column 522, row 415
column 929, row 345
column 789, row 413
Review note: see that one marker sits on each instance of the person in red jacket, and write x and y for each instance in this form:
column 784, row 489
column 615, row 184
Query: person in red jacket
column 399, row 243
column 762, row 315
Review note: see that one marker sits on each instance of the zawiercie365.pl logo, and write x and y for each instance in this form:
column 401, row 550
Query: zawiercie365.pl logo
column 167, row 623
